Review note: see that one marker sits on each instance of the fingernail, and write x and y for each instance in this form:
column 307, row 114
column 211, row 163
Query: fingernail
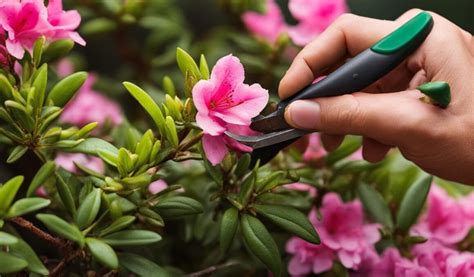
column 304, row 114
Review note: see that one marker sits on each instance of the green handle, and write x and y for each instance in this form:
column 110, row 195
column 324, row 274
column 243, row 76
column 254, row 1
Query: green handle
column 403, row 36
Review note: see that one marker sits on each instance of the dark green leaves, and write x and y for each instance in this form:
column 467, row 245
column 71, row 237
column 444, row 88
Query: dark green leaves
column 177, row 207
column 289, row 219
column 8, row 192
column 102, row 252
column 141, row 266
column 40, row 177
column 66, row 195
column 7, row 239
column 65, row 89
column 413, row 202
column 10, row 263
column 131, row 238
column 261, row 243
column 27, row 205
column 119, row 224
column 62, row 228
column 17, row 153
column 349, row 146
column 23, row 250
column 91, row 146
column 375, row 205
column 89, row 209
column 229, row 224
column 148, row 104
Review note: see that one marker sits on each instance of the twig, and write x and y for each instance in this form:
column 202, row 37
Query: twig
column 211, row 269
column 57, row 270
column 25, row 224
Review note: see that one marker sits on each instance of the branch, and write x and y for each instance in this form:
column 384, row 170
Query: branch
column 25, row 224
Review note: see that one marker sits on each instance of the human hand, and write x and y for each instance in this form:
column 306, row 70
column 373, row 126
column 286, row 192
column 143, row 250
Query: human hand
column 440, row 141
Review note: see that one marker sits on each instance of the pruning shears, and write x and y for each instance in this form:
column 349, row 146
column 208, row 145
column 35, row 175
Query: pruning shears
column 355, row 75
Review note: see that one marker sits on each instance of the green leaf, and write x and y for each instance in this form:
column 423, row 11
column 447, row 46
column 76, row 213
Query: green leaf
column 270, row 181
column 23, row 250
column 186, row 64
column 40, row 177
column 141, row 266
column 39, row 83
column 27, row 205
column 8, row 192
column 66, row 195
column 108, row 157
column 17, row 153
column 6, row 88
column 171, row 133
column 103, row 252
column 38, row 50
column 91, row 146
column 57, row 49
column 177, row 207
column 203, row 67
column 412, row 203
column 89, row 209
column 349, row 146
column 98, row 26
column 213, row 171
column 62, row 228
column 261, row 243
column 247, row 188
column 148, row 104
column 375, row 204
column 228, row 228
column 7, row 239
column 242, row 165
column 10, row 263
column 65, row 89
column 119, row 224
column 289, row 219
column 131, row 238
column 168, row 86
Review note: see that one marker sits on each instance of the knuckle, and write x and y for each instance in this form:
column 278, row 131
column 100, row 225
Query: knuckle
column 346, row 19
column 349, row 113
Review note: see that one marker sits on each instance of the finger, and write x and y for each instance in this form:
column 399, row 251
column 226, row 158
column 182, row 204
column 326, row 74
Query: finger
column 374, row 151
column 390, row 118
column 348, row 36
column 331, row 142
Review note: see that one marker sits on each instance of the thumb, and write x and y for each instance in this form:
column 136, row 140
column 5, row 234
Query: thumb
column 390, row 118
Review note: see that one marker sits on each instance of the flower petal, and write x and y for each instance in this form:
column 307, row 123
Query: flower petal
column 15, row 49
column 252, row 100
column 202, row 92
column 227, row 73
column 209, row 124
column 214, row 148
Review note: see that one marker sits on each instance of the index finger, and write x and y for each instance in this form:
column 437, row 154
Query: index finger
column 348, row 36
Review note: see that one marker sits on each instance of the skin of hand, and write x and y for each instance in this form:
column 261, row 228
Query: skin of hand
column 440, row 141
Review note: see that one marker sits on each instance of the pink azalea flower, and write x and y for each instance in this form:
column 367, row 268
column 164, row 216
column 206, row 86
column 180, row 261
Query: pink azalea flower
column 433, row 256
column 460, row 265
column 223, row 103
column 67, row 161
column 90, row 106
column 64, row 67
column 467, row 203
column 343, row 230
column 308, row 258
column 157, row 186
column 406, row 267
column 315, row 149
column 64, row 22
column 314, row 17
column 41, row 192
column 302, row 187
column 267, row 26
column 444, row 220
column 387, row 263
column 24, row 21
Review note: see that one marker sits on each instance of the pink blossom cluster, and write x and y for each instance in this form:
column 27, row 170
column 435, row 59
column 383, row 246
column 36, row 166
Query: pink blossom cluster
column 346, row 238
column 22, row 22
column 68, row 161
column 313, row 16
column 225, row 103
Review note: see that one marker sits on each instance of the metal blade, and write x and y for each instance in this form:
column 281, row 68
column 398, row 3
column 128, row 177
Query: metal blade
column 269, row 139
column 270, row 123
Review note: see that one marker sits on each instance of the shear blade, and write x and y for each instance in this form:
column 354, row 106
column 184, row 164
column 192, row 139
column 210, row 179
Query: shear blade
column 269, row 139
column 270, row 123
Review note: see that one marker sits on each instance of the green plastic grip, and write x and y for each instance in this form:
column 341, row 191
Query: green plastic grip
column 403, row 36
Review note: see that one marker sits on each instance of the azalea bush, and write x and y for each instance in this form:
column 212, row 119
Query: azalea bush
column 115, row 160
